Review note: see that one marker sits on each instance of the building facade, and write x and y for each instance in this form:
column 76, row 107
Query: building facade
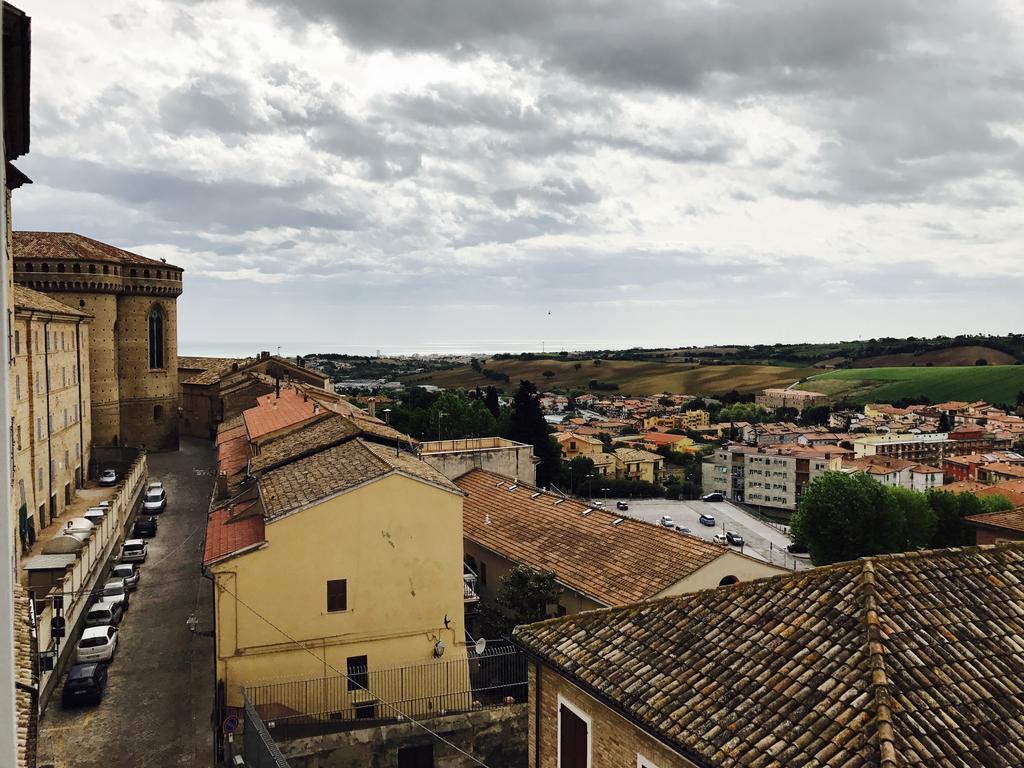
column 50, row 404
column 773, row 399
column 133, row 347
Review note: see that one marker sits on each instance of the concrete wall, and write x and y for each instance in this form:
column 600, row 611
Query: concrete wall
column 498, row 737
column 614, row 741
column 454, row 458
column 729, row 564
column 398, row 543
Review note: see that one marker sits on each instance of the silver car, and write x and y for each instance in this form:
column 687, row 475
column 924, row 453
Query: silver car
column 103, row 614
column 97, row 644
column 154, row 501
column 115, row 591
column 129, row 572
column 134, row 551
column 108, row 477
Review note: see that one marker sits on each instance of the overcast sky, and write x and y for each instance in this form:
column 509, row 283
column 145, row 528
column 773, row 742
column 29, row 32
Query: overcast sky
column 481, row 175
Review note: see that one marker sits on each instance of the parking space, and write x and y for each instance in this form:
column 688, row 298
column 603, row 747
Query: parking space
column 159, row 695
column 760, row 539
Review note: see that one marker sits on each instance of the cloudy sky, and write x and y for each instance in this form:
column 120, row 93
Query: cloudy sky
column 484, row 175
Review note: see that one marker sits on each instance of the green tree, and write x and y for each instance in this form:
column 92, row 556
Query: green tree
column 455, row 415
column 491, row 401
column 522, row 597
column 527, row 425
column 949, row 531
column 575, row 473
column 743, row 412
column 843, row 517
column 917, row 516
column 549, row 375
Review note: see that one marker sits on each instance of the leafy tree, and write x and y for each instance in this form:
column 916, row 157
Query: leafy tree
column 817, row 414
column 786, row 413
column 697, row 404
column 945, row 422
column 475, row 365
column 917, row 516
column 577, row 366
column 527, row 425
column 549, row 375
column 843, row 517
column 575, row 473
column 981, row 361
column 455, row 415
column 743, row 412
column 522, row 598
column 597, row 362
column 666, row 402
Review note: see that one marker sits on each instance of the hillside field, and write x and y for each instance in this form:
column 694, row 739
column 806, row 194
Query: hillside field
column 992, row 383
column 953, row 356
column 633, row 377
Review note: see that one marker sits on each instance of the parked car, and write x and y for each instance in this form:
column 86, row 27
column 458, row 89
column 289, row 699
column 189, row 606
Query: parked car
column 708, row 520
column 97, row 644
column 734, row 538
column 720, row 539
column 103, row 614
column 797, row 549
column 154, row 484
column 85, row 684
column 95, row 515
column 682, row 529
column 108, row 477
column 115, row 591
column 716, row 496
column 145, row 527
column 129, row 572
column 621, row 505
column 597, row 503
column 154, row 501
column 667, row 521
column 133, row 551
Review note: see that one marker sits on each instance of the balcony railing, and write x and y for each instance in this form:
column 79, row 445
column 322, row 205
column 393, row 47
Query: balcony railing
column 469, row 594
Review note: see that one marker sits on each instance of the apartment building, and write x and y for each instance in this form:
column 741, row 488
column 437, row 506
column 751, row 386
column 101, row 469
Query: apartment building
column 454, row 458
column 573, row 445
column 897, row 472
column 770, row 476
column 908, row 447
column 965, row 467
column 51, row 427
column 773, row 399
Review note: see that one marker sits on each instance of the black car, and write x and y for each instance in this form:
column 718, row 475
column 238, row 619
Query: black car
column 796, row 549
column 621, row 505
column 708, row 520
column 716, row 496
column 85, row 684
column 145, row 527
column 734, row 538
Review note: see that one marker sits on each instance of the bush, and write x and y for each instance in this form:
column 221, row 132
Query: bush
column 625, row 488
column 981, row 361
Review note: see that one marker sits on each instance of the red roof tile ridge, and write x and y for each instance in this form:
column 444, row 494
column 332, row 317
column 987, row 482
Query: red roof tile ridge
column 887, row 754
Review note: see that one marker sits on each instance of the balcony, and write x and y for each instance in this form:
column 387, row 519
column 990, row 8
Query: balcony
column 469, row 594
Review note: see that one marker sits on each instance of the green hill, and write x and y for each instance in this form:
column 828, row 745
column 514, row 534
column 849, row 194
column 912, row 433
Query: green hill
column 992, row 383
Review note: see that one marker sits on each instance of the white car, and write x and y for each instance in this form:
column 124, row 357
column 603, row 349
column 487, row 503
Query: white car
column 667, row 521
column 154, row 485
column 97, row 644
column 108, row 477
column 115, row 591
column 129, row 572
column 720, row 539
column 154, row 501
column 133, row 551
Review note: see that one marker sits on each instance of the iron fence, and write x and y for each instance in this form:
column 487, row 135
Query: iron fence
column 367, row 696
column 259, row 748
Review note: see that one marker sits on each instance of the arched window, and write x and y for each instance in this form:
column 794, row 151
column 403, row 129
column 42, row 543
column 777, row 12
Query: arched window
column 730, row 579
column 156, row 338
column 158, row 412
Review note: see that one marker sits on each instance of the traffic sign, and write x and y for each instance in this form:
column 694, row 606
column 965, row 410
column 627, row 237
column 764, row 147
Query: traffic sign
column 230, row 724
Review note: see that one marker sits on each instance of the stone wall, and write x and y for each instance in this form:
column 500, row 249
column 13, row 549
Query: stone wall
column 495, row 736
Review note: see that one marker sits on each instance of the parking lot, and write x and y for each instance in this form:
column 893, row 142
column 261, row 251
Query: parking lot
column 761, row 540
column 159, row 696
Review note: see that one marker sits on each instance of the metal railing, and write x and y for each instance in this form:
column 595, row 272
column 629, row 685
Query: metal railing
column 258, row 746
column 367, row 696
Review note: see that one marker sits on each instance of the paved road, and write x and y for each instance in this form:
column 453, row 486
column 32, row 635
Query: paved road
column 761, row 540
column 156, row 711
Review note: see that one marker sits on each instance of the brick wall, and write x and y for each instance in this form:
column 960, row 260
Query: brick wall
column 614, row 741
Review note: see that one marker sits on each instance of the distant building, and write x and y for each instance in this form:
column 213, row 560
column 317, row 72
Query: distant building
column 573, row 445
column 965, row 467
column 769, row 476
column 133, row 335
column 997, row 527
column 897, row 472
column 773, row 399
column 634, row 464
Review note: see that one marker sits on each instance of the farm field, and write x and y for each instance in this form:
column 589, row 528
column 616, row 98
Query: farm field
column 633, row 377
column 953, row 356
column 992, row 383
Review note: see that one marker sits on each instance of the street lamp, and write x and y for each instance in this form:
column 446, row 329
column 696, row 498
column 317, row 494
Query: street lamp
column 440, row 415
column 387, row 415
column 605, row 493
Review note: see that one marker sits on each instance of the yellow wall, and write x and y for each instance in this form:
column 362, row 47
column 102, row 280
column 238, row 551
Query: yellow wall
column 729, row 564
column 397, row 541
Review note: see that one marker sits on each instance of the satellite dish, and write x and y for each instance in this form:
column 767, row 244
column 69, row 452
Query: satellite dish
column 480, row 647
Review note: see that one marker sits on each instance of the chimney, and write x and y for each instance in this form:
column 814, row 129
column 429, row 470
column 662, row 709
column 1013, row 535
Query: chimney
column 222, row 485
column 277, row 387
column 373, row 406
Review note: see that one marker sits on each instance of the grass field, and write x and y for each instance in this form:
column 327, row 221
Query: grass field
column 633, row 377
column 992, row 383
column 952, row 356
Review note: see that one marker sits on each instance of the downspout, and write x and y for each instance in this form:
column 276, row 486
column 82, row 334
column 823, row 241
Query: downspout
column 49, row 421
column 536, row 714
column 81, row 405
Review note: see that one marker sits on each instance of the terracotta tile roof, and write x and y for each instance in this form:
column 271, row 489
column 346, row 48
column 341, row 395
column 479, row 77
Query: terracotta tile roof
column 964, row 486
column 231, row 529
column 612, row 564
column 27, row 299
column 896, row 660
column 564, row 437
column 68, row 245
column 274, row 412
column 1008, row 520
column 662, row 438
column 232, row 447
column 602, row 459
column 207, row 370
column 1012, row 490
column 25, row 696
column 633, row 454
column 925, row 469
column 336, row 469
column 1002, row 468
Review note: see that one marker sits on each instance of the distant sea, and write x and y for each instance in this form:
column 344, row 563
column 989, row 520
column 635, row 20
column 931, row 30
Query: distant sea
column 449, row 347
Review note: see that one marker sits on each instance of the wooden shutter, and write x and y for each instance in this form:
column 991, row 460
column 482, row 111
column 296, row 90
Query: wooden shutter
column 572, row 739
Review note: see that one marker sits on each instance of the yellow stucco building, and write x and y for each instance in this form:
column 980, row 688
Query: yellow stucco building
column 343, row 545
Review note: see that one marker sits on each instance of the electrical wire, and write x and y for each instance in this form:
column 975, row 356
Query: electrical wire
column 350, row 678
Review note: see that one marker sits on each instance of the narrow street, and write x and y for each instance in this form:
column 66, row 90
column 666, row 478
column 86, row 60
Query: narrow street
column 156, row 709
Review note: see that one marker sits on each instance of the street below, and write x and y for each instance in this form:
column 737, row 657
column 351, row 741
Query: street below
column 159, row 697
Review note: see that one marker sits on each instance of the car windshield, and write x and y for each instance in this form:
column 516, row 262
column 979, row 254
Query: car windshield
column 154, row 496
column 113, row 590
column 92, row 642
column 99, row 613
column 123, row 571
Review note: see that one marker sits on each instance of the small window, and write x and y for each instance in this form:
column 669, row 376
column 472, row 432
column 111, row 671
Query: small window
column 337, row 595
column 358, row 677
column 17, row 342
column 483, row 573
column 158, row 412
